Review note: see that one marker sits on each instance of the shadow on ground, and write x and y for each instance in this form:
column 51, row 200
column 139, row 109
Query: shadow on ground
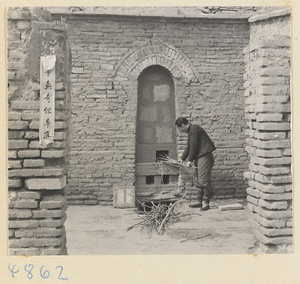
column 102, row 230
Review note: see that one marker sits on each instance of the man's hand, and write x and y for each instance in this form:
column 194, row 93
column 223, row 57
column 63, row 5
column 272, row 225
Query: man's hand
column 180, row 161
column 189, row 164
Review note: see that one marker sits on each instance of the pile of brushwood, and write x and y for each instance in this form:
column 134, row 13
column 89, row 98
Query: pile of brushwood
column 156, row 217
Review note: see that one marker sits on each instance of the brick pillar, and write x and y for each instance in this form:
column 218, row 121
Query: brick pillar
column 37, row 174
column 268, row 113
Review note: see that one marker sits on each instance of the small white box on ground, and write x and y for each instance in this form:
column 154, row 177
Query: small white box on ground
column 124, row 197
column 232, row 206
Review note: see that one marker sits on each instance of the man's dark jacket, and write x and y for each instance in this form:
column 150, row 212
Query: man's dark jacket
column 198, row 143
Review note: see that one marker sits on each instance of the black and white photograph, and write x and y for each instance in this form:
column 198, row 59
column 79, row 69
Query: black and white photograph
column 149, row 130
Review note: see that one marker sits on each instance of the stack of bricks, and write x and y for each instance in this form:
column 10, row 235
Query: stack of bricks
column 37, row 174
column 268, row 113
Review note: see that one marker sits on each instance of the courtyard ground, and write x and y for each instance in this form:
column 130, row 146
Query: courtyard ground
column 102, row 230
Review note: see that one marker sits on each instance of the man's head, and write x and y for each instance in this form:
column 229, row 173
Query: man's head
column 182, row 124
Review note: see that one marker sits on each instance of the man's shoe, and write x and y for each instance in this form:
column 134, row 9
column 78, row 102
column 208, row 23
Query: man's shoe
column 204, row 208
column 195, row 204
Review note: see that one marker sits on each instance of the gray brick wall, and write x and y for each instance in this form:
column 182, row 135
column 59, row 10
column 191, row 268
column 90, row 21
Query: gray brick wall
column 37, row 175
column 268, row 113
column 109, row 52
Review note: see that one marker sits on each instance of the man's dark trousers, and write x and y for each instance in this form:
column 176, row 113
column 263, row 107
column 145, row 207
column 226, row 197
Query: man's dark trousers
column 202, row 177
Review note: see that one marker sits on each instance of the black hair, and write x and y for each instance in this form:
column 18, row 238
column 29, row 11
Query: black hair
column 181, row 120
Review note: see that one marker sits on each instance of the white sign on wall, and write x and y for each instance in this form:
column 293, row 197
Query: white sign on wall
column 47, row 99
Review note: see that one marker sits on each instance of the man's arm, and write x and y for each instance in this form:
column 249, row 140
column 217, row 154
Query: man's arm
column 186, row 151
column 193, row 145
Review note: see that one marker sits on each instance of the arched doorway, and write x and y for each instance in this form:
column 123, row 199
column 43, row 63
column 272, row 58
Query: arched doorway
column 155, row 135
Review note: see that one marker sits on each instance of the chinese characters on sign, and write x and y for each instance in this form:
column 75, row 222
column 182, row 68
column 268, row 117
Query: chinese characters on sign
column 47, row 99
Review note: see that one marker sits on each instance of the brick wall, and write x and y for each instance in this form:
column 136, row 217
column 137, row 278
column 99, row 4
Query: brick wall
column 268, row 113
column 37, row 174
column 206, row 61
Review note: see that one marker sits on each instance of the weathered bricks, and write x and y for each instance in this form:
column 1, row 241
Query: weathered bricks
column 34, row 177
column 269, row 146
column 36, row 172
column 29, row 153
column 46, row 183
column 56, row 201
column 26, row 203
column 33, row 163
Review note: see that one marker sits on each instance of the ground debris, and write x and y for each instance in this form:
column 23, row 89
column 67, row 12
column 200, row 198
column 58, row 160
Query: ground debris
column 197, row 238
column 156, row 217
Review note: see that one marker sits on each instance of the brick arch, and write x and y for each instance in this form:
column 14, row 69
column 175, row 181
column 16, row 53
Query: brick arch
column 134, row 62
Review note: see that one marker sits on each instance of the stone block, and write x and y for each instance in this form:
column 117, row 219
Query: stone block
column 31, row 135
column 33, row 163
column 23, row 25
column 273, row 171
column 35, row 242
column 17, row 144
column 18, row 125
column 274, row 144
column 46, row 213
column 20, row 213
column 270, row 188
column 12, row 155
column 289, row 222
column 287, row 152
column 54, row 153
column 269, row 117
column 273, row 107
column 37, row 145
column 16, row 134
column 272, row 214
column 45, row 183
column 276, row 196
column 270, row 135
column 274, row 240
column 14, row 183
column 271, row 161
column 51, row 223
column 12, row 164
column 253, row 192
column 29, row 153
column 29, row 195
column 48, row 232
column 26, row 203
column 277, row 232
column 24, row 224
column 281, row 205
column 268, row 153
column 283, row 126
column 77, row 70
column 24, row 251
column 30, row 115
column 13, row 115
column 56, row 201
column 25, row 105
column 24, row 233
column 273, row 223
column 282, row 179
column 46, row 172
column 252, row 200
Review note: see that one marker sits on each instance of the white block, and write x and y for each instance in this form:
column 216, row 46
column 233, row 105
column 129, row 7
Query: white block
column 232, row 206
column 124, row 197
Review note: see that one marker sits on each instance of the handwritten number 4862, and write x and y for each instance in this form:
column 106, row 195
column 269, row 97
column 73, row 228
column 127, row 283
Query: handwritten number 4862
column 29, row 269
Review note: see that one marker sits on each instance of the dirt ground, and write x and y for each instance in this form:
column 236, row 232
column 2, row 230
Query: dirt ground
column 102, row 230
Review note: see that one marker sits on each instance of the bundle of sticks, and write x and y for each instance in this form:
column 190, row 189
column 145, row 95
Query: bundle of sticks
column 167, row 160
column 157, row 218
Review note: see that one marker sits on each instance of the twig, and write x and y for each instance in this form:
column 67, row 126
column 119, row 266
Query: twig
column 201, row 237
column 164, row 220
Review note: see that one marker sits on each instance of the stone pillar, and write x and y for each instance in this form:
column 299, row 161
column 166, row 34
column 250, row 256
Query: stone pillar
column 37, row 174
column 268, row 114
